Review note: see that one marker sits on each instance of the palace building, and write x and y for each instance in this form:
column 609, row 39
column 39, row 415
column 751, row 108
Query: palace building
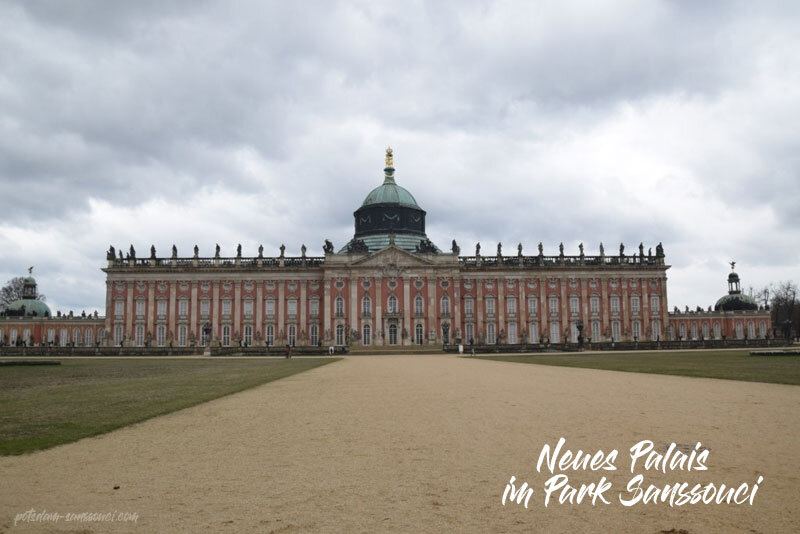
column 391, row 285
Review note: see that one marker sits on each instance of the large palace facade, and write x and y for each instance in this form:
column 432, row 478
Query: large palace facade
column 389, row 285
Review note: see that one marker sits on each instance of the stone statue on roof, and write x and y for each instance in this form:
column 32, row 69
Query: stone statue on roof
column 216, row 251
column 283, row 250
column 519, row 249
column 389, row 157
column 152, row 252
column 455, row 248
column 239, row 250
column 111, row 255
column 174, row 251
column 499, row 249
column 260, row 251
column 478, row 249
column 196, row 251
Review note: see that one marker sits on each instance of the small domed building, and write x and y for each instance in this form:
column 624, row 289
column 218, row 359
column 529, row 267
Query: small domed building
column 29, row 305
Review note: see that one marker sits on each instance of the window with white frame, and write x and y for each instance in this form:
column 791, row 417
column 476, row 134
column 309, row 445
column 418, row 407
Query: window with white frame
column 366, row 306
column 340, row 334
column 26, row 336
column 51, row 335
column 512, row 333
column 555, row 332
column 248, row 335
column 63, row 337
column 573, row 332
column 270, row 335
column 634, row 303
column 12, row 337
column 511, row 305
column 419, row 306
column 160, row 335
column 182, row 335
column 491, row 336
column 118, row 335
column 469, row 330
column 270, row 308
column 391, row 306
column 161, row 307
column 445, row 304
column 314, row 334
column 139, row 339
column 291, row 308
column 751, row 330
column 248, row 308
column 101, row 335
column 366, row 336
column 489, row 305
column 205, row 306
column 693, row 329
column 88, row 337
column 595, row 331
column 183, row 307
column 76, row 337
column 637, row 330
column 656, row 327
column 573, row 305
column 533, row 333
column 705, row 330
column 553, row 301
column 614, row 304
column 419, row 334
column 139, row 308
column 468, row 307
column 119, row 308
column 226, row 336
column 616, row 333
column 339, row 309
column 739, row 330
column 313, row 307
column 655, row 304
column 533, row 305
column 762, row 329
column 594, row 304
column 226, row 308
column 292, row 335
column 682, row 331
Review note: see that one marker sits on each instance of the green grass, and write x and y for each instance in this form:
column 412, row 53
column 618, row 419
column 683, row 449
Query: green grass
column 725, row 364
column 44, row 406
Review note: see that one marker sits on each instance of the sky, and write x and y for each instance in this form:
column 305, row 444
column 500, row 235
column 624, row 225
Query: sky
column 194, row 122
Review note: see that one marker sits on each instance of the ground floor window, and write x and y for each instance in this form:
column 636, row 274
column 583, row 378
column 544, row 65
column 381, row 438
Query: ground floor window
column 512, row 333
column 314, row 335
column 88, row 337
column 615, row 331
column 595, row 331
column 226, row 335
column 705, row 331
column 182, row 335
column 292, row 335
column 657, row 330
column 51, row 335
column 76, row 337
column 270, row 338
column 248, row 335
column 12, row 337
column 469, row 331
column 555, row 334
column 63, row 337
column 739, row 330
column 419, row 334
column 26, row 336
column 573, row 332
column 118, row 334
column 160, row 330
column 683, row 331
column 392, row 334
column 762, row 329
column 139, row 335
column 694, row 331
column 366, row 337
column 340, row 334
column 491, row 335
column 637, row 330
column 717, row 331
column 751, row 330
column 534, row 332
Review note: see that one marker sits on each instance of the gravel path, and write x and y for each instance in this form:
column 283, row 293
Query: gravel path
column 419, row 443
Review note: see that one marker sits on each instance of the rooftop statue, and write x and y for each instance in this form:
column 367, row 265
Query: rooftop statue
column 111, row 255
column 389, row 157
column 580, row 247
column 561, row 249
column 602, row 249
column 216, row 251
column 303, row 250
column 426, row 246
column 174, row 251
column 478, row 249
column 541, row 249
column 132, row 253
column 283, row 250
column 196, row 251
column 260, row 251
column 120, row 255
column 152, row 252
column 621, row 250
column 239, row 250
column 519, row 249
column 641, row 250
column 499, row 249
column 327, row 248
column 455, row 248
column 659, row 250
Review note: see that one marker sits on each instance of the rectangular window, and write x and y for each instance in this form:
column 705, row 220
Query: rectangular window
column 489, row 306
column 533, row 305
column 468, row 303
column 118, row 335
column 182, row 335
column 51, row 335
column 573, row 304
column 270, row 338
column 248, row 335
column 226, row 335
column 291, row 307
column 161, row 308
column 635, row 304
column 248, row 308
column 139, row 335
column 226, row 307
column 183, row 307
column 555, row 332
column 554, row 308
column 511, row 307
column 615, row 330
column 314, row 334
column 119, row 307
column 615, row 304
column 470, row 331
column 512, row 333
column 595, row 331
column 139, row 308
column 657, row 330
column 270, row 308
column 594, row 304
column 637, row 330
column 205, row 306
column 62, row 338
column 490, row 334
column 533, row 333
column 292, row 335
column 313, row 307
column 160, row 335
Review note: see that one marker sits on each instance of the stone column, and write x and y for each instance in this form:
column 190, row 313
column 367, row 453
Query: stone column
column 237, row 310
column 354, row 303
column 193, row 312
column 215, row 328
column 281, row 326
column 584, row 309
column 109, row 340
column 326, row 311
column 259, row 312
column 303, row 321
column 564, row 319
column 173, row 311
column 605, row 322
column 456, row 311
column 150, row 312
column 626, row 320
column 501, row 309
column 544, row 309
column 645, row 285
column 479, row 308
column 433, row 294
column 379, row 338
column 523, row 321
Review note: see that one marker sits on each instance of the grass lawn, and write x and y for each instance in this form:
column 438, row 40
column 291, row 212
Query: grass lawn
column 44, row 406
column 727, row 364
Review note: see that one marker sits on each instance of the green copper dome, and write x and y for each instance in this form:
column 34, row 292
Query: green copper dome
column 31, row 306
column 390, row 193
column 736, row 302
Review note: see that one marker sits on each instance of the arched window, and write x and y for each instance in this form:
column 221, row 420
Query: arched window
column 340, row 334
column 512, row 333
column 762, row 329
column 637, row 330
column 705, row 330
column 595, row 331
column 419, row 306
column 139, row 335
column 392, row 334
column 339, row 308
column 26, row 336
column 118, row 335
column 445, row 304
column 76, row 337
column 248, row 335
column 292, row 335
column 392, row 304
column 555, row 332
column 693, row 328
column 657, row 329
column 739, row 330
column 616, row 331
column 717, row 331
column 63, row 337
column 88, row 337
column 366, row 306
column 418, row 334
column 366, row 338
column 12, row 337
column 226, row 335
column 751, row 330
column 270, row 337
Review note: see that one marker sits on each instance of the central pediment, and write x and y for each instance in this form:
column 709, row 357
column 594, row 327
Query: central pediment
column 392, row 256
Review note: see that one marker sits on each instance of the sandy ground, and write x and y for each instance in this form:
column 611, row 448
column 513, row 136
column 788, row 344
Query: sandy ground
column 419, row 443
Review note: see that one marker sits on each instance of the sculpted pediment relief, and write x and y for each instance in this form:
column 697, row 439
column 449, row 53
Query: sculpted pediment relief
column 392, row 258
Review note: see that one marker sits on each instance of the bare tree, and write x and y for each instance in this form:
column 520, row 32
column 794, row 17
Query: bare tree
column 13, row 291
column 785, row 305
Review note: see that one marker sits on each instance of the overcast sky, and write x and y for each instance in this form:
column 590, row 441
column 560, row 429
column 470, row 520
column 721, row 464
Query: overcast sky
column 266, row 122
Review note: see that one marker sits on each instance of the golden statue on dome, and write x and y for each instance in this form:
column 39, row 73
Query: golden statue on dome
column 389, row 158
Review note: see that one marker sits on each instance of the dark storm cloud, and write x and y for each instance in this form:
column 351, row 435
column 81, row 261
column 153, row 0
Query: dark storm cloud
column 264, row 122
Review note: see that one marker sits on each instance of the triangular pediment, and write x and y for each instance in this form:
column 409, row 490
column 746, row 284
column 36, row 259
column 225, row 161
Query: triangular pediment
column 393, row 256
